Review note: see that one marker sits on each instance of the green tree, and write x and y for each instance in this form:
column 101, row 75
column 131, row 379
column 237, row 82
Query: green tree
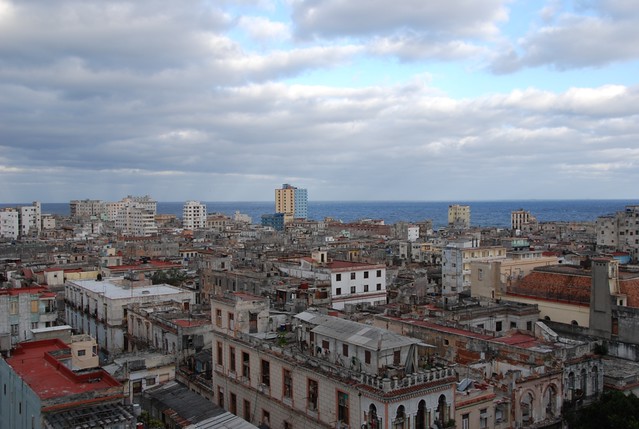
column 613, row 410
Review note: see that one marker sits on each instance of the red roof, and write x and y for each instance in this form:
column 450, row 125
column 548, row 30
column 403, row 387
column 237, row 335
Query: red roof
column 186, row 323
column 21, row 290
column 37, row 363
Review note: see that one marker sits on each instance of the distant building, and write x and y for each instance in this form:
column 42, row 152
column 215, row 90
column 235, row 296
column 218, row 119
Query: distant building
column 87, row 208
column 49, row 384
column 291, row 201
column 9, row 223
column 135, row 216
column 274, row 220
column 458, row 216
column 521, row 220
column 194, row 215
column 619, row 232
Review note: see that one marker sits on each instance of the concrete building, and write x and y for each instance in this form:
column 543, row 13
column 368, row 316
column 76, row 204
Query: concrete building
column 9, row 223
column 79, row 209
column 291, row 201
column 521, row 220
column 98, row 307
column 135, row 220
column 619, row 232
column 456, row 260
column 458, row 216
column 30, row 219
column 325, row 372
column 194, row 215
column 47, row 384
column 25, row 309
column 274, row 220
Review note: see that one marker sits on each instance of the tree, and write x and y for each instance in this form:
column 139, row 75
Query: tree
column 613, row 410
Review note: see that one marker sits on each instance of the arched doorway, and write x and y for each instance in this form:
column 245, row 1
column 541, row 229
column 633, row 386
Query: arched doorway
column 374, row 422
column 442, row 410
column 420, row 418
column 550, row 402
column 527, row 406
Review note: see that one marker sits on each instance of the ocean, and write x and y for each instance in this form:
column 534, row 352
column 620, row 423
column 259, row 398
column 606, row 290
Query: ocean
column 483, row 213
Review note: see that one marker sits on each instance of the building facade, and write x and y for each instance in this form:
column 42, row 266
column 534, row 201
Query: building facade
column 291, row 201
column 459, row 216
column 194, row 215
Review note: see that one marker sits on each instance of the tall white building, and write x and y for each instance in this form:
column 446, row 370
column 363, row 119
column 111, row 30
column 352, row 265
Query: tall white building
column 619, row 232
column 194, row 215
column 134, row 215
column 9, row 223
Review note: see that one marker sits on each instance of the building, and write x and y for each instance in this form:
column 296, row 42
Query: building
column 98, row 307
column 291, row 201
column 456, row 260
column 86, row 208
column 521, row 220
column 49, row 384
column 25, row 309
column 619, row 232
column 323, row 372
column 458, row 216
column 9, row 223
column 135, row 219
column 274, row 220
column 194, row 215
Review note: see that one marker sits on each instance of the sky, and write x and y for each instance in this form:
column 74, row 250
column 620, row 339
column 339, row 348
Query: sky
column 413, row 100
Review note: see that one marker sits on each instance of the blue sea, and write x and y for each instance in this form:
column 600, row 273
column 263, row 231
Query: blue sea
column 483, row 213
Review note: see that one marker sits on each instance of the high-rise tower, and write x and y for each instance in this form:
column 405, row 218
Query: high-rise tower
column 291, row 201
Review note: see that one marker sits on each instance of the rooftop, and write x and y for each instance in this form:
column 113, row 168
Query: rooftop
column 112, row 290
column 39, row 364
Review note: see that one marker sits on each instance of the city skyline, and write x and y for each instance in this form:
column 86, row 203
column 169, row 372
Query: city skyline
column 352, row 100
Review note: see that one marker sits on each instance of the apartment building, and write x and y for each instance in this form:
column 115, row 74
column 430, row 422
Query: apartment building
column 98, row 307
column 194, row 215
column 619, row 232
column 456, row 259
column 9, row 223
column 88, row 208
column 522, row 220
column 24, row 309
column 458, row 216
column 21, row 221
column 291, row 201
column 325, row 372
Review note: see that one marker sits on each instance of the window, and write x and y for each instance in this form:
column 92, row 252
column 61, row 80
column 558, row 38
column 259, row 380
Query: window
column 367, row 357
column 266, row 418
column 483, row 418
column 232, row 358
column 480, row 274
column 15, row 329
column 365, row 274
column 529, row 326
column 220, row 396
column 379, row 273
column 338, row 277
column 338, row 291
column 137, row 386
column 312, row 395
column 246, row 369
column 218, row 318
column 231, row 321
column 498, row 326
column 288, row 384
column 353, row 289
column 342, row 407
column 82, row 352
column 233, row 404
column 379, row 286
column 513, row 325
column 266, row 373
column 465, row 421
column 13, row 307
column 247, row 410
column 353, row 276
column 345, row 349
column 325, row 344
column 365, row 288
column 150, row 381
column 34, row 306
column 220, row 354
column 397, row 354
column 287, row 425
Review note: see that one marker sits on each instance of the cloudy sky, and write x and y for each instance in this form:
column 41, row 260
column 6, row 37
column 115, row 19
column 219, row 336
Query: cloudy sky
column 351, row 99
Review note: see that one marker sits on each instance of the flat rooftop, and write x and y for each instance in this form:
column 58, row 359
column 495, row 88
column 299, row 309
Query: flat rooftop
column 112, row 290
column 36, row 363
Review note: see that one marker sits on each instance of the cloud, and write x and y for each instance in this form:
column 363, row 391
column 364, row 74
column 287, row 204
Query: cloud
column 576, row 41
column 262, row 29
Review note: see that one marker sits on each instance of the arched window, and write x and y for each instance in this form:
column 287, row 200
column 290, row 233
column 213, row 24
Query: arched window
column 526, row 405
column 400, row 418
column 442, row 410
column 583, row 382
column 550, row 401
column 374, row 422
column 595, row 380
column 571, row 386
column 574, row 323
